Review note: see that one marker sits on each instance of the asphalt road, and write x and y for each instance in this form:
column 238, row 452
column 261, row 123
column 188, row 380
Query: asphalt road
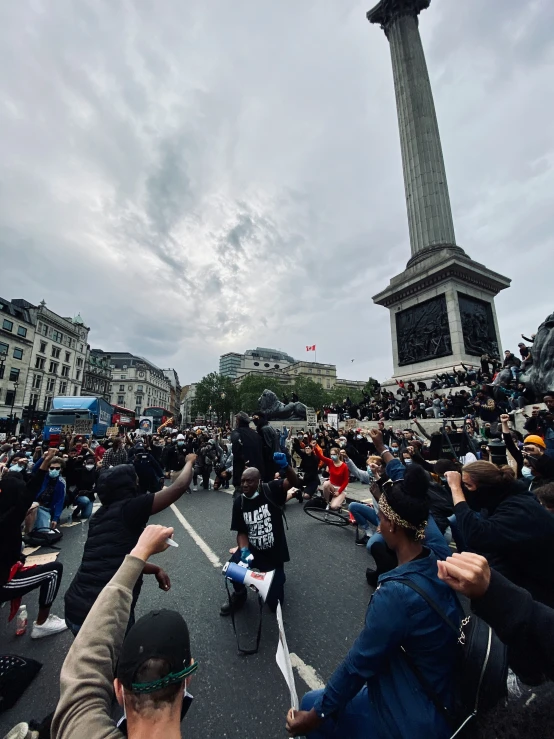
column 247, row 697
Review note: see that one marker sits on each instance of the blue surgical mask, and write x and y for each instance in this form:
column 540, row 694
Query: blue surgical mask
column 407, row 461
column 28, row 454
column 251, row 497
column 335, row 457
column 16, row 468
column 527, row 472
column 180, row 443
column 54, row 473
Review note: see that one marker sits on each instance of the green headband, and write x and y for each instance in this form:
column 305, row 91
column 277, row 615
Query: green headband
column 163, row 682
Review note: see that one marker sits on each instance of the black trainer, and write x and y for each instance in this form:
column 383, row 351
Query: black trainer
column 237, row 602
column 371, row 576
column 361, row 541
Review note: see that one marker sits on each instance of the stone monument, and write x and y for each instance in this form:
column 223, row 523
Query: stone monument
column 442, row 305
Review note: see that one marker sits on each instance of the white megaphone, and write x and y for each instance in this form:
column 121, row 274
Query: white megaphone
column 258, row 581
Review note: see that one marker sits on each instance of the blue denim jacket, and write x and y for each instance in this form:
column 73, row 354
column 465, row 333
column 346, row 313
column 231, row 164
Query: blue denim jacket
column 398, row 617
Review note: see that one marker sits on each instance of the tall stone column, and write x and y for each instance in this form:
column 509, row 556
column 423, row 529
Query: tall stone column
column 427, row 199
column 442, row 306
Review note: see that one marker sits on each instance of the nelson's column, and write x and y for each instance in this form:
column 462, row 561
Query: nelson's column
column 442, row 305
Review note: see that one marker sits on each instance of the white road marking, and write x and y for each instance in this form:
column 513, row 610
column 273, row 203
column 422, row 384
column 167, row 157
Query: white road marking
column 307, row 673
column 210, row 554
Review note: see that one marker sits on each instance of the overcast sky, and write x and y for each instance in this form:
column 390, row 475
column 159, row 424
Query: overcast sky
column 201, row 177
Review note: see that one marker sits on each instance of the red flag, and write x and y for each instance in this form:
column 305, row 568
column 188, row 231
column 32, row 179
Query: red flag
column 310, row 348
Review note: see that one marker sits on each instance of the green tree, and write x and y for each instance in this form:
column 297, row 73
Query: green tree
column 310, row 393
column 252, row 387
column 215, row 395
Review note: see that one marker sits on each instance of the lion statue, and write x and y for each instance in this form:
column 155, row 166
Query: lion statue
column 540, row 375
column 272, row 408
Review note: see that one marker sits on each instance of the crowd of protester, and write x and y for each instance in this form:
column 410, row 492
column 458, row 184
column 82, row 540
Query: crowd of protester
column 466, row 509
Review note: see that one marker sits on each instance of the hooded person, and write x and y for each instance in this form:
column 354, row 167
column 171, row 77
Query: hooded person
column 113, row 531
column 247, row 449
column 271, row 443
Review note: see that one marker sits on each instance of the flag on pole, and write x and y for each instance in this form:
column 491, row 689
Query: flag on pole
column 310, row 348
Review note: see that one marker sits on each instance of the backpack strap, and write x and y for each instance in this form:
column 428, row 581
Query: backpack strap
column 431, row 602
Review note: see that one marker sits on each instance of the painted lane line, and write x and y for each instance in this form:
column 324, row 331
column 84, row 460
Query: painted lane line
column 307, row 673
column 210, row 554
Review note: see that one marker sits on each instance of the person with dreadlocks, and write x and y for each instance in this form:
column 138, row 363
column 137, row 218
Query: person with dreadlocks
column 375, row 690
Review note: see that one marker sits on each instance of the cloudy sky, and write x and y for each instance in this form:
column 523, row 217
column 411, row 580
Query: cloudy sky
column 201, row 177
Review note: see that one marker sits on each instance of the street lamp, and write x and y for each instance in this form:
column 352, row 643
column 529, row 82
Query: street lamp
column 15, row 386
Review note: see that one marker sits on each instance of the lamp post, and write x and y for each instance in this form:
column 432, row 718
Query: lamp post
column 15, row 386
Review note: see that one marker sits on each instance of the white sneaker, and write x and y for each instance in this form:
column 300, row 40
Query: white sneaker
column 195, row 489
column 52, row 625
column 21, row 731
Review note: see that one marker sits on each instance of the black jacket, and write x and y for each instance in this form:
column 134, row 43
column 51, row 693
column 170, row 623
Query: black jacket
column 246, row 447
column 112, row 532
column 15, row 499
column 525, row 626
column 516, row 535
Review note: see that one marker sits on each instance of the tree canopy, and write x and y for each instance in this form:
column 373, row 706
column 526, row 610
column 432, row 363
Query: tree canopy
column 215, row 394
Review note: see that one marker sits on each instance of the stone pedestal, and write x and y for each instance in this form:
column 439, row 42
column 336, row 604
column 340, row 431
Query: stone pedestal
column 442, row 314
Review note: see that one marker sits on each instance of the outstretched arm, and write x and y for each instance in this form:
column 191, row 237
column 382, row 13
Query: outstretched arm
column 166, row 497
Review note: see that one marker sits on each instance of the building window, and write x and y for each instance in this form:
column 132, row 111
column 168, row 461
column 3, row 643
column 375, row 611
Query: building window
column 4, row 348
column 14, row 375
column 63, row 388
column 7, row 325
column 53, row 367
column 21, row 331
column 111, row 388
column 65, row 371
column 37, row 379
column 78, row 375
column 33, row 401
column 139, row 388
column 137, row 410
column 10, row 397
column 256, row 364
column 120, row 399
column 56, row 352
column 123, row 377
column 43, row 346
column 79, row 361
column 47, row 403
column 57, row 336
column 67, row 357
column 139, row 399
column 17, row 353
column 50, row 384
column 75, row 390
column 276, row 366
column 39, row 363
column 122, row 388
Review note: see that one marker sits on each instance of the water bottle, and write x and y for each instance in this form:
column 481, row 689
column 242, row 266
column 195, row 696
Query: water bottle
column 21, row 622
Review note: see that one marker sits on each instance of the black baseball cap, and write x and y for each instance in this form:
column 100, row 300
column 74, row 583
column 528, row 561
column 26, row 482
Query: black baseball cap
column 158, row 635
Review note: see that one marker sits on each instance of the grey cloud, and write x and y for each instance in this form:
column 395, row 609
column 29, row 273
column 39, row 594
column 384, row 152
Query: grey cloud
column 199, row 178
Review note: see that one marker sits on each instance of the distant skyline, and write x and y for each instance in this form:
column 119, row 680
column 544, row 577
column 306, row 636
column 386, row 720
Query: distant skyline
column 202, row 178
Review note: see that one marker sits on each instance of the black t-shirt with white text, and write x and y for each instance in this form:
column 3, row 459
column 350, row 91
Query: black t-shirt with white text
column 261, row 519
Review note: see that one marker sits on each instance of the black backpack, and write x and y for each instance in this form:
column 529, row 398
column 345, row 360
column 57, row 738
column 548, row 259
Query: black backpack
column 482, row 672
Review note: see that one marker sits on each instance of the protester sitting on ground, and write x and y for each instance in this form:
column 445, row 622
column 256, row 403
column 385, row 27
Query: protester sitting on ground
column 526, row 626
column 113, row 531
column 51, row 494
column 333, row 488
column 85, row 481
column 503, row 521
column 374, row 692
column 147, row 670
column 16, row 580
column 309, row 466
column 117, row 454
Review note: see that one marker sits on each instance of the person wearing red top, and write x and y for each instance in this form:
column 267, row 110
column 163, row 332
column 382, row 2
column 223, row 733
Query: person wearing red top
column 99, row 451
column 335, row 486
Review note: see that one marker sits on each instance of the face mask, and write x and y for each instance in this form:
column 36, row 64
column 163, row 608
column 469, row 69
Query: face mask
column 335, row 457
column 527, row 472
column 16, row 468
column 251, row 497
column 368, row 468
column 28, row 454
column 180, row 443
column 62, row 448
column 358, row 436
column 89, row 467
column 54, row 473
column 394, row 449
column 407, row 461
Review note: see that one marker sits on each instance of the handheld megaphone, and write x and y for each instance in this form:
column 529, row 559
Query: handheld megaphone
column 258, row 581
